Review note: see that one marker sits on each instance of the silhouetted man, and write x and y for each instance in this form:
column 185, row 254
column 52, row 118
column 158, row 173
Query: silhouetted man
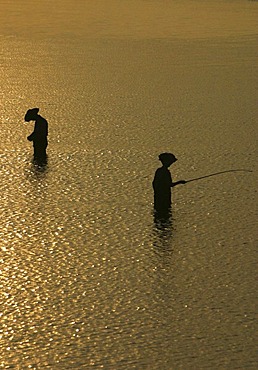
column 39, row 135
column 162, row 184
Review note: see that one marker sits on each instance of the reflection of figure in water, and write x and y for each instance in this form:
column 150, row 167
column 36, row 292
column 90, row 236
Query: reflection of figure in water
column 162, row 185
column 39, row 135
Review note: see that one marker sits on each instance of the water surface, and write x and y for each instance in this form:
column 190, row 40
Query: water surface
column 88, row 278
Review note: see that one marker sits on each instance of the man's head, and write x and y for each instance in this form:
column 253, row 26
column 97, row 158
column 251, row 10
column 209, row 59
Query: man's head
column 31, row 114
column 167, row 159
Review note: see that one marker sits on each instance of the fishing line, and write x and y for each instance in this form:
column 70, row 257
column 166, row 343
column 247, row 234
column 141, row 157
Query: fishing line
column 216, row 173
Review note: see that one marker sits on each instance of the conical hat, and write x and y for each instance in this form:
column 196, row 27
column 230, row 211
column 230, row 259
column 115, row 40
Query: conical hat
column 31, row 114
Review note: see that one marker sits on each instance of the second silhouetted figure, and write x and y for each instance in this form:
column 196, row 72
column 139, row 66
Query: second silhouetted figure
column 39, row 135
column 162, row 184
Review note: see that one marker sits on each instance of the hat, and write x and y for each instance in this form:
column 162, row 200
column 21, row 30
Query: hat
column 31, row 114
column 167, row 158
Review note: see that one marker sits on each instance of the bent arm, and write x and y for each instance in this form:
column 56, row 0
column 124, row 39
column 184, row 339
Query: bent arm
column 31, row 136
column 178, row 183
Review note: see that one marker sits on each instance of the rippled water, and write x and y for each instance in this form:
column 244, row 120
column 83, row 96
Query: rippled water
column 88, row 279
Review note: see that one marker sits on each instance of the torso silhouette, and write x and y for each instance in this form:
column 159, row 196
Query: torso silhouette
column 162, row 184
column 40, row 129
column 39, row 136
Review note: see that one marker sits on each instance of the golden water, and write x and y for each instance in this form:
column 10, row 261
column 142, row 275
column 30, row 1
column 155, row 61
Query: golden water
column 88, row 280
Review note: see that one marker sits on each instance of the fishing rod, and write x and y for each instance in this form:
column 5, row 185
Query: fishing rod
column 215, row 174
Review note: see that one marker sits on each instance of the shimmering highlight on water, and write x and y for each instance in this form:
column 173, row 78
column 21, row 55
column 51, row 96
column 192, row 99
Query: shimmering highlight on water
column 89, row 279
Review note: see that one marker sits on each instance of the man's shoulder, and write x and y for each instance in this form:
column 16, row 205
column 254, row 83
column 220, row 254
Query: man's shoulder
column 42, row 120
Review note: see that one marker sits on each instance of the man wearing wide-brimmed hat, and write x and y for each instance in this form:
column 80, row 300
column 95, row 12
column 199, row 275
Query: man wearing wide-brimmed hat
column 162, row 183
column 40, row 133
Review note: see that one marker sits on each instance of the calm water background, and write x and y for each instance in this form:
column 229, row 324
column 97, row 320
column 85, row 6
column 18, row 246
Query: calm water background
column 87, row 278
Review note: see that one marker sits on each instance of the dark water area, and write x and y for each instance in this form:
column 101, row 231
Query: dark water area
column 90, row 277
